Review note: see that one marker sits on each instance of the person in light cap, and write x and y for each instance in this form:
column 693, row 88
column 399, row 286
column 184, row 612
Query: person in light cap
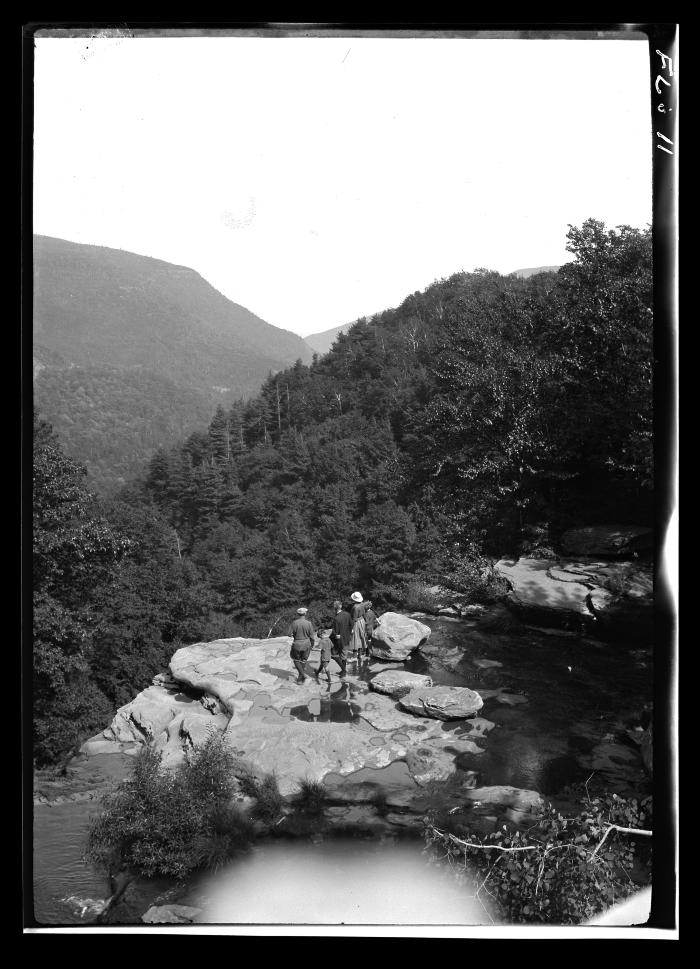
column 303, row 638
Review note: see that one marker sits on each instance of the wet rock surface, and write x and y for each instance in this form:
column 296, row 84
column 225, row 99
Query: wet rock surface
column 443, row 702
column 612, row 598
column 398, row 683
column 171, row 915
column 510, row 726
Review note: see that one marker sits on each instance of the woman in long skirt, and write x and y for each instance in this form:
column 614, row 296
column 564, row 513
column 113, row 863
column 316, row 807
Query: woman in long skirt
column 358, row 642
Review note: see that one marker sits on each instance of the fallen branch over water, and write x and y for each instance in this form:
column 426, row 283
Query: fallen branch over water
column 537, row 847
column 617, row 827
column 471, row 844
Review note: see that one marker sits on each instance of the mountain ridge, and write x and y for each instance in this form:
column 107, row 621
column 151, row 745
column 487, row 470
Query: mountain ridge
column 181, row 346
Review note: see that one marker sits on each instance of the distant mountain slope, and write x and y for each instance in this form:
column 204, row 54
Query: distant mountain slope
column 322, row 342
column 125, row 344
column 105, row 307
column 524, row 273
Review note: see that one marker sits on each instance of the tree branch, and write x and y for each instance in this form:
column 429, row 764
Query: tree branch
column 471, row 844
column 617, row 827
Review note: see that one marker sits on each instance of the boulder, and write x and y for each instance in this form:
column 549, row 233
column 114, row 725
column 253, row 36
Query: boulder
column 165, row 680
column 607, row 540
column 474, row 611
column 396, row 636
column 398, row 683
column 171, row 914
column 147, row 715
column 511, row 699
column 478, row 727
column 443, row 702
column 517, row 798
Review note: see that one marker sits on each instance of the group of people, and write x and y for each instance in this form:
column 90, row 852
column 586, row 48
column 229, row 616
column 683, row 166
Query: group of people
column 349, row 637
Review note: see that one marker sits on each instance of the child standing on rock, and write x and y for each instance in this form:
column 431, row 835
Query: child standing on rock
column 324, row 642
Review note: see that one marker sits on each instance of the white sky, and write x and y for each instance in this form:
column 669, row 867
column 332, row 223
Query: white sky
column 315, row 180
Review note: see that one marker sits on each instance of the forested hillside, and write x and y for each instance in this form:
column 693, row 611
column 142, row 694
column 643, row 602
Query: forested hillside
column 122, row 341
column 480, row 412
column 322, row 342
column 483, row 406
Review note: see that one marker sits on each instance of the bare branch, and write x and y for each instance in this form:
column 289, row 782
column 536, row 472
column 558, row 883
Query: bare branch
column 471, row 844
column 617, row 827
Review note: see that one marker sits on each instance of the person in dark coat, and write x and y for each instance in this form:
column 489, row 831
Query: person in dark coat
column 303, row 639
column 370, row 622
column 340, row 636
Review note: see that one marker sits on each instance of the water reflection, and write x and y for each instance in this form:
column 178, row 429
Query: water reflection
column 339, row 883
column 334, row 706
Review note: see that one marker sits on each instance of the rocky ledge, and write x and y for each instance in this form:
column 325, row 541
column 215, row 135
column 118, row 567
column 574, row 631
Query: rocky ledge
column 245, row 689
column 614, row 598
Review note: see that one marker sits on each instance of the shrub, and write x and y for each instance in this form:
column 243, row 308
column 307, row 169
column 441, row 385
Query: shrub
column 270, row 801
column 388, row 595
column 561, row 878
column 419, row 598
column 209, row 770
column 474, row 575
column 164, row 822
column 311, row 796
column 149, row 824
column 230, row 831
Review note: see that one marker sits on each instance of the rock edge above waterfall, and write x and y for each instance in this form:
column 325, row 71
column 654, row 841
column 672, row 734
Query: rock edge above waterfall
column 245, row 690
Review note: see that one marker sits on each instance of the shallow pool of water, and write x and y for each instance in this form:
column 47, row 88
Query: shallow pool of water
column 552, row 697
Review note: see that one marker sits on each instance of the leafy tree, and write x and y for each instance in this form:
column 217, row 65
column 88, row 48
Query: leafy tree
column 163, row 822
column 76, row 551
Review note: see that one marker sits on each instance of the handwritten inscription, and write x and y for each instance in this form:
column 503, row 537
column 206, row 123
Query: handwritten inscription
column 666, row 65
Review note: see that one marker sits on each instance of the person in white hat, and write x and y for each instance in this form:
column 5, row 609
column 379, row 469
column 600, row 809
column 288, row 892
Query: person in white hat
column 303, row 639
column 358, row 643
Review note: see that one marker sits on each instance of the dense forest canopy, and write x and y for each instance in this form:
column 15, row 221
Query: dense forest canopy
column 430, row 437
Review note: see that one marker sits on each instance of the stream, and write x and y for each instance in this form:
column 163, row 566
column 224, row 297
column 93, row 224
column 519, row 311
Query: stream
column 562, row 707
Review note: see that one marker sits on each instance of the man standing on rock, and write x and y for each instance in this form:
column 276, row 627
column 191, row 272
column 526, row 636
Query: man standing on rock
column 303, row 639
